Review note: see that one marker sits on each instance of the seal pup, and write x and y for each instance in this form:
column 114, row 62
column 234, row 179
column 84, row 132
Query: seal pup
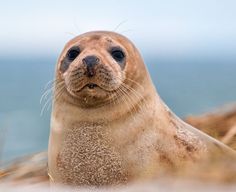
column 108, row 124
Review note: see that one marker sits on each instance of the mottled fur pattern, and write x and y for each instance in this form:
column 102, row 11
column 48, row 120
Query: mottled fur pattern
column 87, row 157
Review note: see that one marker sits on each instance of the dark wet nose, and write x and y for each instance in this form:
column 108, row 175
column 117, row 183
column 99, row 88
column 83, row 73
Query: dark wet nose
column 90, row 62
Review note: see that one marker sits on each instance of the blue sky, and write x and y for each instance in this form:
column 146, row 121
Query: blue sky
column 167, row 27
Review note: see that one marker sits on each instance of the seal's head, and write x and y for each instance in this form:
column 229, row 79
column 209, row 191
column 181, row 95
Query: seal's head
column 95, row 66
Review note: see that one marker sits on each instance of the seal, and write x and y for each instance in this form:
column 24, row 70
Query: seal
column 108, row 124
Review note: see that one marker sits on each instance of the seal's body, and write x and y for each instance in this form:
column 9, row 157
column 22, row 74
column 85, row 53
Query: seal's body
column 108, row 124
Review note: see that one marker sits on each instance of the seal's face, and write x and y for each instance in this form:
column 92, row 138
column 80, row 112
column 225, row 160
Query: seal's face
column 93, row 66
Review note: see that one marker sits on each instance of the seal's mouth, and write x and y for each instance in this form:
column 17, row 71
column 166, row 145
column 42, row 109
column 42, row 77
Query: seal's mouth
column 91, row 85
column 92, row 88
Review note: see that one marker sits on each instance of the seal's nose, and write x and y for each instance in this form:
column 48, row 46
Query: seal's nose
column 90, row 62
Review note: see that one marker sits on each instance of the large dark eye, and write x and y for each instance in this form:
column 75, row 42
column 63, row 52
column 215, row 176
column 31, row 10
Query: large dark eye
column 73, row 53
column 118, row 55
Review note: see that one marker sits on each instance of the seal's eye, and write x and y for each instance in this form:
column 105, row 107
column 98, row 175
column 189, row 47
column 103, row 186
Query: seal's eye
column 73, row 53
column 118, row 55
column 70, row 56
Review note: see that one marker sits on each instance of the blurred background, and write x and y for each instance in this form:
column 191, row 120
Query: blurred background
column 188, row 46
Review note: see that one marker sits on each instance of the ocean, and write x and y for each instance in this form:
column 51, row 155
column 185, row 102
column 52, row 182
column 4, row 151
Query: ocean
column 189, row 85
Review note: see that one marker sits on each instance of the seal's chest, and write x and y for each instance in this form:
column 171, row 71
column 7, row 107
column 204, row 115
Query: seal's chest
column 87, row 158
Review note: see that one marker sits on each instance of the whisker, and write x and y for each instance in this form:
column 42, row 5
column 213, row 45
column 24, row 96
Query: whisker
column 69, row 33
column 75, row 24
column 48, row 83
column 121, row 23
column 51, row 83
column 47, row 92
column 123, row 97
column 134, row 90
column 59, row 93
column 75, row 74
column 44, row 106
column 45, row 95
column 128, row 98
column 138, row 95
column 60, row 86
column 135, row 82
column 113, row 99
column 135, row 93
